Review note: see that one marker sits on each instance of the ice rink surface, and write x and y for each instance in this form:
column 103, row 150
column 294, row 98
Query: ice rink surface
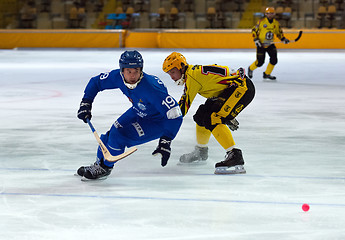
column 292, row 136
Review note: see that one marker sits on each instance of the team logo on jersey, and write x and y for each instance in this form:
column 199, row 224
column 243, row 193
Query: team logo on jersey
column 265, row 26
column 141, row 106
column 239, row 108
column 238, row 95
column 227, row 108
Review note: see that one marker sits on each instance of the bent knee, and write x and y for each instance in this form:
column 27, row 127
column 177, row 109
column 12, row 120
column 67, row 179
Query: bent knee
column 259, row 63
column 273, row 61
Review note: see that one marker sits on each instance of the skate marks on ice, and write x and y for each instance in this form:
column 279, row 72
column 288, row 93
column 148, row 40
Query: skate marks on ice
column 287, row 164
column 67, row 186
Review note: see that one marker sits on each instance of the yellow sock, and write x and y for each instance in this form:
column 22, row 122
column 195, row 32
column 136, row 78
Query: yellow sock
column 253, row 66
column 223, row 135
column 269, row 69
column 202, row 135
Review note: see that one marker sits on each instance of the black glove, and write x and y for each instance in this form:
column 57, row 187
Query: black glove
column 241, row 73
column 84, row 111
column 285, row 40
column 164, row 149
column 257, row 43
column 233, row 124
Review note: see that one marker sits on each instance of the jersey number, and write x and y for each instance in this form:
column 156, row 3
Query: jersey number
column 104, row 76
column 168, row 102
column 213, row 70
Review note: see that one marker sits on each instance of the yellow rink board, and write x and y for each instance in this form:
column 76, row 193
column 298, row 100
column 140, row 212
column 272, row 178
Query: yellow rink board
column 141, row 39
column 154, row 38
column 311, row 39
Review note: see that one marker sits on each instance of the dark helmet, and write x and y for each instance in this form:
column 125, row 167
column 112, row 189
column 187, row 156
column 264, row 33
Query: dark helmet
column 131, row 59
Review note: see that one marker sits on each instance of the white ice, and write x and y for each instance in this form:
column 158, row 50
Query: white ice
column 292, row 136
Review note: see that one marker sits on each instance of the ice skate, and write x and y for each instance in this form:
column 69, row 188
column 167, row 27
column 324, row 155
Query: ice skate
column 269, row 77
column 250, row 73
column 197, row 157
column 97, row 171
column 233, row 163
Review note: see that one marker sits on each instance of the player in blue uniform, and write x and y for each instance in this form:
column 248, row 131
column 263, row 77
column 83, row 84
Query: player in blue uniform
column 154, row 113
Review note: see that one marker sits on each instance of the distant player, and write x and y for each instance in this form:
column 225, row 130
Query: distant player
column 154, row 113
column 228, row 92
column 263, row 34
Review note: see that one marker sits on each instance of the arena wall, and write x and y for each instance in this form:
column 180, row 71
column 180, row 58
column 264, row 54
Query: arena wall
column 61, row 38
column 222, row 39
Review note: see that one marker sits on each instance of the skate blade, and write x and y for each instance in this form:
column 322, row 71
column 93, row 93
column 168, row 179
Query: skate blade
column 239, row 169
column 84, row 179
column 269, row 80
column 195, row 163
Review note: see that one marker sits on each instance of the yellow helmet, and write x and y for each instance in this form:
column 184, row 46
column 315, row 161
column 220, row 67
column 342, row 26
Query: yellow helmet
column 175, row 59
column 270, row 10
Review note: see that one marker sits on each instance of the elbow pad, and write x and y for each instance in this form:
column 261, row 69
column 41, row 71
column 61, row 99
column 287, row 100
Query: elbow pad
column 174, row 112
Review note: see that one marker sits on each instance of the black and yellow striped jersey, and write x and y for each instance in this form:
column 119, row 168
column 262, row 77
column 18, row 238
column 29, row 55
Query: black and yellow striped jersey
column 265, row 30
column 207, row 80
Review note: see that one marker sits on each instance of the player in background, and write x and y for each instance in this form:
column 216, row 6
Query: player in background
column 154, row 113
column 263, row 34
column 227, row 92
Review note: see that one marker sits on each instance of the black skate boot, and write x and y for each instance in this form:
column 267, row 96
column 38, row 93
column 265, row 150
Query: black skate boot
column 198, row 156
column 269, row 77
column 81, row 171
column 97, row 171
column 250, row 73
column 232, row 164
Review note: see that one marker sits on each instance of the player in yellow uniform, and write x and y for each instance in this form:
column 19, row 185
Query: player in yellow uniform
column 263, row 34
column 228, row 92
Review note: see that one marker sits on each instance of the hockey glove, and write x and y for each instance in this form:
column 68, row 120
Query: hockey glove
column 285, row 40
column 257, row 43
column 233, row 124
column 163, row 149
column 241, row 73
column 84, row 111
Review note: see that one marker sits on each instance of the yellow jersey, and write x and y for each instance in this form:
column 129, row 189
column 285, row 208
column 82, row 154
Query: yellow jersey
column 206, row 80
column 265, row 30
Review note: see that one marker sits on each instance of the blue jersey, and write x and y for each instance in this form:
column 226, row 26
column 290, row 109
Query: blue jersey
column 150, row 99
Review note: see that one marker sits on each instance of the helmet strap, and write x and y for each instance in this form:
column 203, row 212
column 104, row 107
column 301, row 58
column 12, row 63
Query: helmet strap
column 180, row 81
column 129, row 85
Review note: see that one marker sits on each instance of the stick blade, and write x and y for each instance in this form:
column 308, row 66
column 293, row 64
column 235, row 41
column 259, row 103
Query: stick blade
column 111, row 158
column 299, row 36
